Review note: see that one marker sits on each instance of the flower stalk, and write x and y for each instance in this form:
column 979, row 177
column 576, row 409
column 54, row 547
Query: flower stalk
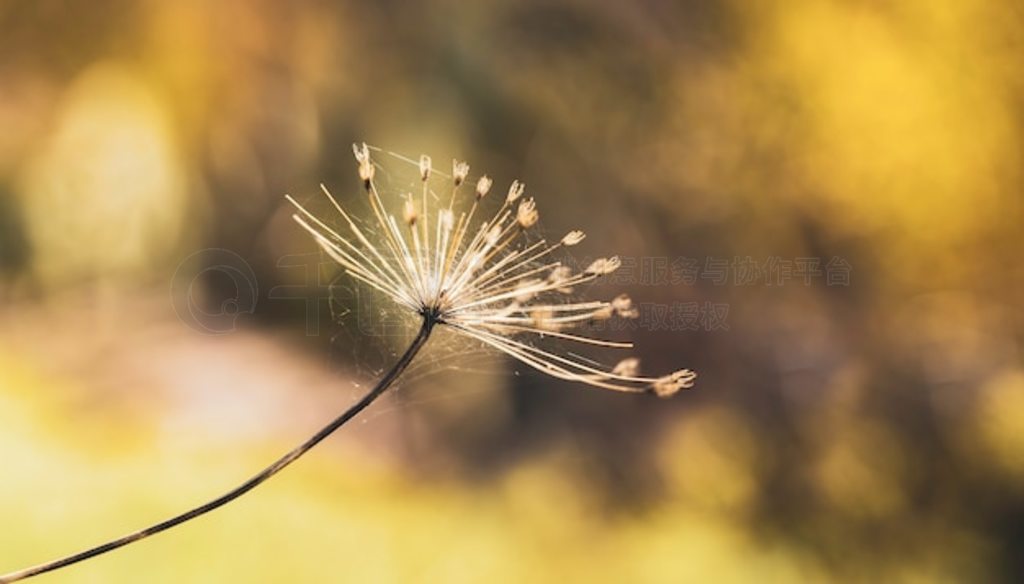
column 256, row 480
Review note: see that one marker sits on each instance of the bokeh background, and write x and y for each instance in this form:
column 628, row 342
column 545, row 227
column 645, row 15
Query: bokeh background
column 862, row 424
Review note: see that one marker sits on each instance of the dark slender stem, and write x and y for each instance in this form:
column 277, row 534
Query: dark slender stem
column 385, row 382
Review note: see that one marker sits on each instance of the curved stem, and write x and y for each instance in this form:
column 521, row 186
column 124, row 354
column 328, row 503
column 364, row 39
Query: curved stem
column 257, row 479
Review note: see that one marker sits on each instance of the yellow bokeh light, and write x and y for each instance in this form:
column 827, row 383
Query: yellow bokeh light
column 106, row 194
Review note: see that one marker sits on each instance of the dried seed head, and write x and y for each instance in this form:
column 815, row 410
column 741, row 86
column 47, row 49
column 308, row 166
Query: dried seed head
column 515, row 191
column 460, row 170
column 366, row 168
column 527, row 214
column 494, row 284
column 483, row 186
column 603, row 266
column 559, row 275
column 425, row 167
column 623, row 306
column 573, row 237
column 670, row 384
column 409, row 213
column 629, row 367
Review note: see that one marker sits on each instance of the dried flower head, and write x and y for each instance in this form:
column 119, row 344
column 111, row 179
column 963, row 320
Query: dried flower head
column 573, row 237
column 603, row 266
column 366, row 168
column 409, row 213
column 515, row 191
column 425, row 166
column 559, row 276
column 623, row 306
column 527, row 214
column 486, row 281
column 670, row 384
column 460, row 170
column 483, row 186
column 628, row 366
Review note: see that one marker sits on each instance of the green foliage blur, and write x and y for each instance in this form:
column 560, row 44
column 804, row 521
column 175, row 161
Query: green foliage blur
column 859, row 414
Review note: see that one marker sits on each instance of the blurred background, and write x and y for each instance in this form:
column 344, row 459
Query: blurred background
column 818, row 205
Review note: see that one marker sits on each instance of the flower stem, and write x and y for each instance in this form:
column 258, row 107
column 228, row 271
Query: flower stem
column 256, row 480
